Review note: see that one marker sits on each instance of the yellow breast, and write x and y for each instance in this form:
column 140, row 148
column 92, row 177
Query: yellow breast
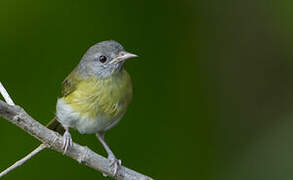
column 108, row 97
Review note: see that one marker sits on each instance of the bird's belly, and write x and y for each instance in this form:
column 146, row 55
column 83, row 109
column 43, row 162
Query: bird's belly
column 83, row 122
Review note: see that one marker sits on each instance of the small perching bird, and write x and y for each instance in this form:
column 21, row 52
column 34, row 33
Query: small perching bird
column 95, row 95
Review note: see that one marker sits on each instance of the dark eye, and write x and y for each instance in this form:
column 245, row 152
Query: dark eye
column 102, row 59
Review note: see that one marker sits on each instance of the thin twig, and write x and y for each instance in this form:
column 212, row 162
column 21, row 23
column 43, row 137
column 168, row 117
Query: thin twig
column 9, row 101
column 23, row 160
column 5, row 95
column 53, row 140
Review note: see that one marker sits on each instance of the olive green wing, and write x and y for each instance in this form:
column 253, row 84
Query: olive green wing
column 70, row 83
column 68, row 86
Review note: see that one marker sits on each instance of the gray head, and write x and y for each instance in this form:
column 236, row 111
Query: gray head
column 103, row 59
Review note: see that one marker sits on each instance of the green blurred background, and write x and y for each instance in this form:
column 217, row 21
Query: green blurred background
column 213, row 95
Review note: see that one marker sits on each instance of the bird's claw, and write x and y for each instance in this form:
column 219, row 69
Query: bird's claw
column 115, row 164
column 67, row 141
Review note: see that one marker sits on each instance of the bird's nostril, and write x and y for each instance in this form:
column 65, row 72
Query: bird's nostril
column 122, row 53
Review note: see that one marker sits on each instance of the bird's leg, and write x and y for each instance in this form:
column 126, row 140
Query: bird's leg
column 67, row 140
column 114, row 162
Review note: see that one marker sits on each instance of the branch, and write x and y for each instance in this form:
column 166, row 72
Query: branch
column 82, row 154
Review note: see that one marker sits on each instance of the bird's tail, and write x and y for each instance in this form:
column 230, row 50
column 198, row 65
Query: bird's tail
column 53, row 125
column 56, row 126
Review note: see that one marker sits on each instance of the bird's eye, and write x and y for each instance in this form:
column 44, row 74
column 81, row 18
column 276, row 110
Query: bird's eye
column 102, row 59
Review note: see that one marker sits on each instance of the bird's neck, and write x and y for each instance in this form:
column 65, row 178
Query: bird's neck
column 88, row 72
column 110, row 73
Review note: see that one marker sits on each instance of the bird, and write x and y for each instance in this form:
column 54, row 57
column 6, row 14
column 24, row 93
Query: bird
column 95, row 96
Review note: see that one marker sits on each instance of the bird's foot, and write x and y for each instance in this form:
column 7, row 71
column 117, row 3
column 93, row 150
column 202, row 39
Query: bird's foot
column 115, row 164
column 67, row 141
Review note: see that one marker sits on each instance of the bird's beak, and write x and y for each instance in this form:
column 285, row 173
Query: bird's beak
column 123, row 55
